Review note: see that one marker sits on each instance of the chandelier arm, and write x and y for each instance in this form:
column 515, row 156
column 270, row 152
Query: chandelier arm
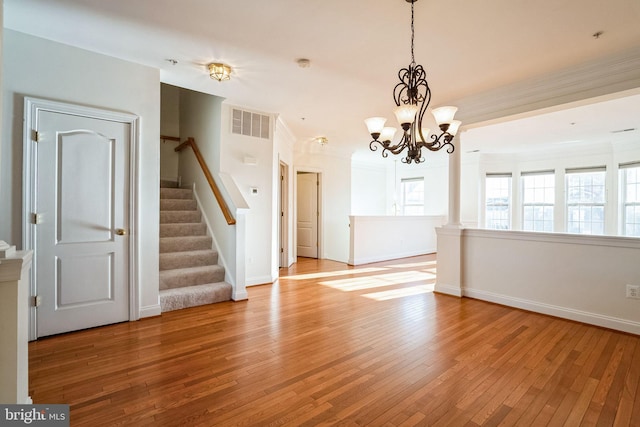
column 441, row 141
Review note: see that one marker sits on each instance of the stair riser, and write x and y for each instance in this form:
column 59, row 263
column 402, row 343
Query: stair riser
column 178, row 205
column 176, row 193
column 181, row 244
column 170, row 261
column 181, row 217
column 191, row 278
column 186, row 229
column 175, row 299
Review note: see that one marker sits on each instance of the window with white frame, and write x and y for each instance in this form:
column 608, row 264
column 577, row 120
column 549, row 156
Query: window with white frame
column 498, row 201
column 585, row 200
column 630, row 186
column 538, row 199
column 412, row 191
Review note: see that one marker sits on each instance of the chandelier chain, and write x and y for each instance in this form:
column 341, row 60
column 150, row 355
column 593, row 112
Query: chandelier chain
column 413, row 60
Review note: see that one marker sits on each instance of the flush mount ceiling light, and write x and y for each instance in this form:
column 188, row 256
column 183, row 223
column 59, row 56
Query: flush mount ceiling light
column 219, row 71
column 412, row 96
column 322, row 140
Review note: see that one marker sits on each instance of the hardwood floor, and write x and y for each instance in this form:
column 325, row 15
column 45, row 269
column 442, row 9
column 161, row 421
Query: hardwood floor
column 336, row 345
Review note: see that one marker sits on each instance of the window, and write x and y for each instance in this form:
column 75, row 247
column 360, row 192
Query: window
column 412, row 190
column 538, row 198
column 585, row 200
column 630, row 185
column 498, row 201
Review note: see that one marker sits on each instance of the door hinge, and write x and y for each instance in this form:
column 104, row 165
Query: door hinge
column 281, row 250
column 36, row 301
column 36, row 218
column 35, row 136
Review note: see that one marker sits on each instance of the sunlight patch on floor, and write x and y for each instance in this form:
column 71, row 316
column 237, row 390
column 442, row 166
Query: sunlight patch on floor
column 378, row 281
column 334, row 273
column 400, row 292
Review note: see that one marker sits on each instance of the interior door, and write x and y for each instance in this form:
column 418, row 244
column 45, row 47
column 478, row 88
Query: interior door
column 81, row 240
column 307, row 214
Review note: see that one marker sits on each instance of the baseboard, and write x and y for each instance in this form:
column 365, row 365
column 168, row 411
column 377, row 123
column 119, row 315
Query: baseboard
column 388, row 257
column 150, row 311
column 239, row 296
column 261, row 280
column 443, row 288
column 557, row 311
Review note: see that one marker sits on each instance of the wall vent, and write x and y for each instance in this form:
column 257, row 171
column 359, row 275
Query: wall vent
column 249, row 124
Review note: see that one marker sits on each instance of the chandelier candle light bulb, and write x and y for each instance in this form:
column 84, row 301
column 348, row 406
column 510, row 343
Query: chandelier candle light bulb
column 412, row 96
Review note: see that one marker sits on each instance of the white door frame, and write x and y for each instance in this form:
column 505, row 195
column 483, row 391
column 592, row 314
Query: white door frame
column 32, row 108
column 283, row 223
column 320, row 210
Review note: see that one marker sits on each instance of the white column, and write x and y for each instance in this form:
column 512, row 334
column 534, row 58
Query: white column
column 14, row 325
column 454, row 187
column 449, row 278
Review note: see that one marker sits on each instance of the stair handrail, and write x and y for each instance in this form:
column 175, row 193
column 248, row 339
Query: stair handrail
column 190, row 142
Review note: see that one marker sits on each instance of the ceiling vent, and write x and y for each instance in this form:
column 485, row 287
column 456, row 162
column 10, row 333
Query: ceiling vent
column 249, row 124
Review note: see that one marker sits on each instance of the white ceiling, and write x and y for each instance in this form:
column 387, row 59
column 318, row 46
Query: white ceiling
column 356, row 48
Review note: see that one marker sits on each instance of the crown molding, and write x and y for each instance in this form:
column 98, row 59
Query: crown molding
column 616, row 73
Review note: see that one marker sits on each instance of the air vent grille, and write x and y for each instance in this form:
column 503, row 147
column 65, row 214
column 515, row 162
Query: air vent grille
column 250, row 124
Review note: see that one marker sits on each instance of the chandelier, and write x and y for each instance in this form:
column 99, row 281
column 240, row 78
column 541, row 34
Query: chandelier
column 412, row 96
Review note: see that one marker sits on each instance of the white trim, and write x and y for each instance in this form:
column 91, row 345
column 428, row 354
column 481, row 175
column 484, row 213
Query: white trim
column 554, row 310
column 32, row 108
column 452, row 290
column 570, row 239
column 369, row 260
column 260, row 280
column 150, row 310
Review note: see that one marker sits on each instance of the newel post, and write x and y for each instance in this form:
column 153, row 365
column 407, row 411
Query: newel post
column 14, row 324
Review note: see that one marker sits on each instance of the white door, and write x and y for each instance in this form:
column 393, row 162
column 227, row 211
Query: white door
column 81, row 232
column 307, row 219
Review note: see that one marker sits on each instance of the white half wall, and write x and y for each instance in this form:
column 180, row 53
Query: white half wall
column 581, row 278
column 81, row 77
column 381, row 238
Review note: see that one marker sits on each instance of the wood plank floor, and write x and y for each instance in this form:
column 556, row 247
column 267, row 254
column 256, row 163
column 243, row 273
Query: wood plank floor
column 336, row 345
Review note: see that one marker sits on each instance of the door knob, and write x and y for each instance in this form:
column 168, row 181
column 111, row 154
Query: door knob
column 121, row 231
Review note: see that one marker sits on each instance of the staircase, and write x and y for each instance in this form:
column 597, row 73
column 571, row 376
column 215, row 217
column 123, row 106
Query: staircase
column 189, row 270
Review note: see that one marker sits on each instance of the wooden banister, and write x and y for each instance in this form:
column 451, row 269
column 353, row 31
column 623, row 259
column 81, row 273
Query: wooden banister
column 169, row 138
column 190, row 142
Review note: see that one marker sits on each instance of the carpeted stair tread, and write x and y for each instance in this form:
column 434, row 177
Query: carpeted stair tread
column 167, row 183
column 191, row 296
column 178, row 205
column 190, row 276
column 185, row 243
column 172, row 217
column 174, row 260
column 176, row 193
column 183, row 229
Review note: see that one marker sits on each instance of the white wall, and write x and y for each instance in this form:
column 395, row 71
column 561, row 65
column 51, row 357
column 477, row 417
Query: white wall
column 381, row 238
column 259, row 219
column 200, row 119
column 283, row 142
column 335, row 200
column 577, row 277
column 169, row 126
column 41, row 68
column 375, row 186
column 369, row 189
